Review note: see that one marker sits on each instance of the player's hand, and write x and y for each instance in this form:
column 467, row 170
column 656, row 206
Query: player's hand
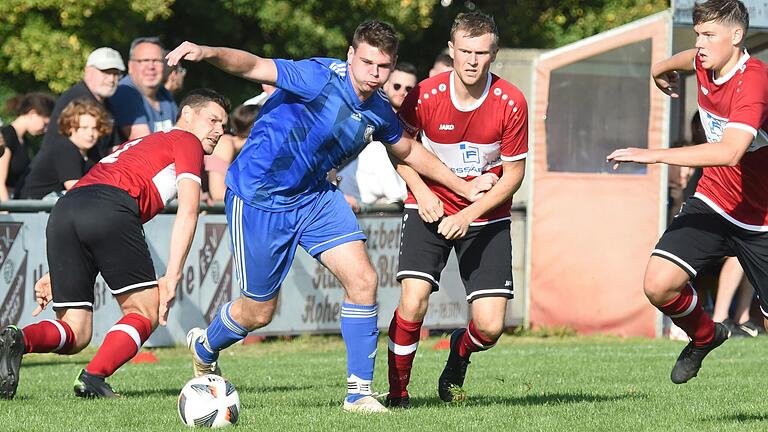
column 454, row 226
column 668, row 82
column 186, row 51
column 352, row 203
column 43, row 294
column 167, row 290
column 631, row 154
column 479, row 185
column 430, row 206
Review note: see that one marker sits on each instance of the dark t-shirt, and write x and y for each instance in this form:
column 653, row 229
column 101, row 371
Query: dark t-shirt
column 51, row 168
column 19, row 155
column 103, row 146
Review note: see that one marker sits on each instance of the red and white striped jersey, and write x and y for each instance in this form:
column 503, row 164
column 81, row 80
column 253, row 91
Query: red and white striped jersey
column 470, row 140
column 149, row 168
column 739, row 100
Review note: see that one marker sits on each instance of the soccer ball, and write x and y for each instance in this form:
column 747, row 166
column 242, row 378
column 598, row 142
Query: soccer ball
column 209, row 401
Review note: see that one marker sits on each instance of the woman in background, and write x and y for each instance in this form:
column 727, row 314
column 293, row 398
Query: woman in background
column 32, row 113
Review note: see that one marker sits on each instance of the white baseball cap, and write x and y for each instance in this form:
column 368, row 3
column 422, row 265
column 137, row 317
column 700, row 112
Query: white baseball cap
column 105, row 58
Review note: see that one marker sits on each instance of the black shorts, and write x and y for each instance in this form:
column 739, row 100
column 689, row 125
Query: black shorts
column 484, row 255
column 96, row 229
column 698, row 236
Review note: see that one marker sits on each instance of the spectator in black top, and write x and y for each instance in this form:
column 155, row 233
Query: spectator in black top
column 33, row 112
column 57, row 168
column 102, row 72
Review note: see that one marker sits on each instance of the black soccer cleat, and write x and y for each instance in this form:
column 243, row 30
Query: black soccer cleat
column 452, row 379
column 92, row 386
column 11, row 351
column 398, row 403
column 689, row 361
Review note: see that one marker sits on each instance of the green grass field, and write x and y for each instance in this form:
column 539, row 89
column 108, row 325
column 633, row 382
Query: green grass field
column 524, row 383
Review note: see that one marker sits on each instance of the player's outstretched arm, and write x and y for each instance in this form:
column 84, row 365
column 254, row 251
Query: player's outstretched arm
column 665, row 73
column 456, row 226
column 234, row 61
column 425, row 163
column 727, row 152
column 181, row 239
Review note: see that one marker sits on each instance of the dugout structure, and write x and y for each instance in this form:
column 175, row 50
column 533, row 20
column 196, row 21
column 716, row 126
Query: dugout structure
column 590, row 228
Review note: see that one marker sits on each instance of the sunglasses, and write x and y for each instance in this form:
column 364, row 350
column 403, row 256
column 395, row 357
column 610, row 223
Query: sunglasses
column 397, row 87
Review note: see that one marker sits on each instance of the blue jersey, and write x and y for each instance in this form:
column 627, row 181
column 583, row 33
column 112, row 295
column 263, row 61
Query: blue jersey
column 312, row 123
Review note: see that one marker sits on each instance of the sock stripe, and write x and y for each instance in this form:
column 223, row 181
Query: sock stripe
column 130, row 331
column 402, row 349
column 227, row 320
column 62, row 334
column 477, row 342
column 359, row 311
column 687, row 311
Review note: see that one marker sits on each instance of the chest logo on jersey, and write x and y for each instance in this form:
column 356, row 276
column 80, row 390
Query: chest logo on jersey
column 704, row 90
column 470, row 154
column 356, row 116
column 368, row 134
column 446, row 127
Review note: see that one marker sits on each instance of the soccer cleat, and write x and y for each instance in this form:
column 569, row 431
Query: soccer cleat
column 198, row 365
column 366, row 404
column 748, row 329
column 400, row 403
column 689, row 362
column 452, row 379
column 11, row 351
column 92, row 386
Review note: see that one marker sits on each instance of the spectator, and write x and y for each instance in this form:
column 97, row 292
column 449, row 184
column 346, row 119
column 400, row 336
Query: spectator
column 103, row 70
column 57, row 168
column 173, row 80
column 217, row 163
column 371, row 178
column 33, row 113
column 141, row 104
column 443, row 62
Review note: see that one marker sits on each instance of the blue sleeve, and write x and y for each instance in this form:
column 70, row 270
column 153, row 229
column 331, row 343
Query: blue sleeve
column 303, row 78
column 128, row 107
column 391, row 131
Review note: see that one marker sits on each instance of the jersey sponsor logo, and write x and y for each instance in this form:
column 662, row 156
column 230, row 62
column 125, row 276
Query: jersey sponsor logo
column 356, row 116
column 713, row 125
column 470, row 154
column 215, row 268
column 704, row 90
column 13, row 272
column 446, row 127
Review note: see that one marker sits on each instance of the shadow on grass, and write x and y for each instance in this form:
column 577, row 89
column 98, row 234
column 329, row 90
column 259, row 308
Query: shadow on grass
column 241, row 389
column 737, row 418
column 57, row 362
column 528, row 400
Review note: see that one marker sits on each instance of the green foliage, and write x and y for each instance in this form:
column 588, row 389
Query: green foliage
column 44, row 43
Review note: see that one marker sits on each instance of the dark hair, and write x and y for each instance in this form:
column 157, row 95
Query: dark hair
column 242, row 119
column 475, row 24
column 407, row 68
column 41, row 103
column 728, row 12
column 195, row 99
column 444, row 58
column 377, row 34
column 154, row 40
column 70, row 116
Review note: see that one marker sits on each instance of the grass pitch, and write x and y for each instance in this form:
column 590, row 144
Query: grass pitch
column 524, row 383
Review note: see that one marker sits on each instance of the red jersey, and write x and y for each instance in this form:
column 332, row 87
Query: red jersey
column 149, row 168
column 470, row 140
column 739, row 100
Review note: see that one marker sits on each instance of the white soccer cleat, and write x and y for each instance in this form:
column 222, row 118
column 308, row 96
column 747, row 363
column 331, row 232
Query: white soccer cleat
column 366, row 404
column 199, row 366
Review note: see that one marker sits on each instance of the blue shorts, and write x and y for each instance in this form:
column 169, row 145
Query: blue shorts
column 264, row 242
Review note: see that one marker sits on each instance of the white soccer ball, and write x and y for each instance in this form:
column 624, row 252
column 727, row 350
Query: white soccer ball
column 209, row 401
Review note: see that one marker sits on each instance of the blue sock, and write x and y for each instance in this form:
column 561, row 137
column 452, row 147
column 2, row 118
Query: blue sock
column 221, row 333
column 360, row 332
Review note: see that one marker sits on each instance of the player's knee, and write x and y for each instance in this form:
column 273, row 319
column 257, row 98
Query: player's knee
column 657, row 289
column 490, row 331
column 413, row 308
column 362, row 288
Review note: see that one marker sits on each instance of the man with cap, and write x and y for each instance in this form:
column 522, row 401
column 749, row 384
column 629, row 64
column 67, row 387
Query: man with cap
column 103, row 69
